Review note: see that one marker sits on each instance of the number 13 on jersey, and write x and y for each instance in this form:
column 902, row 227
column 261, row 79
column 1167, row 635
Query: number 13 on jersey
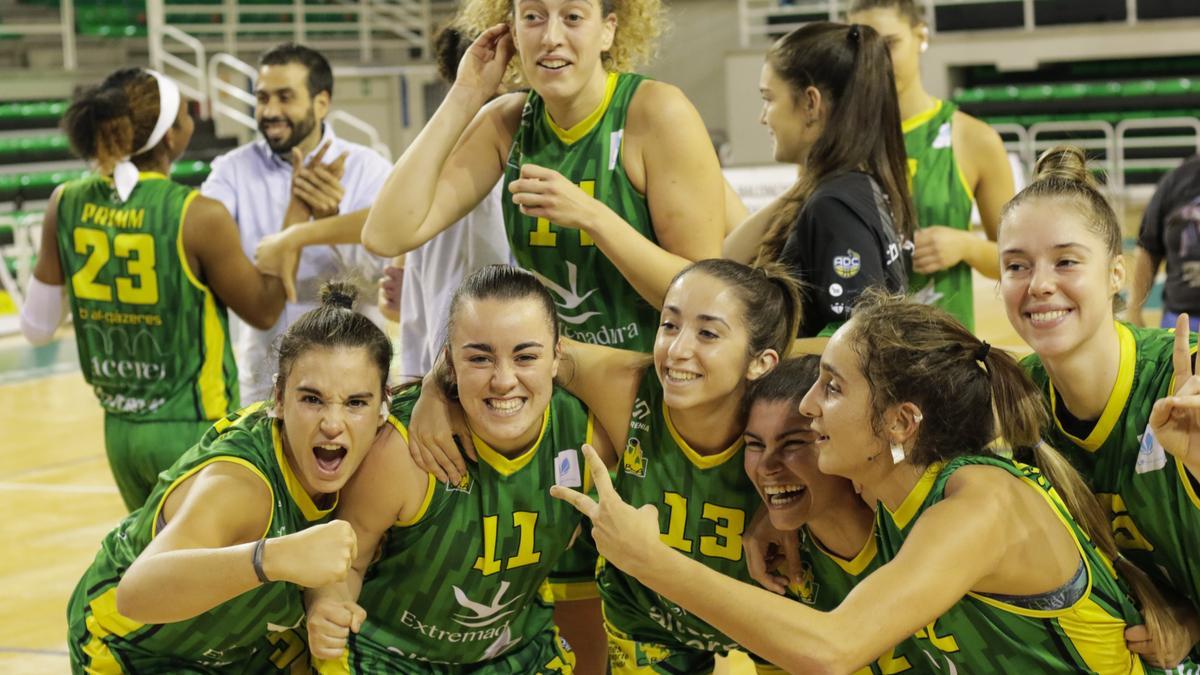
column 542, row 236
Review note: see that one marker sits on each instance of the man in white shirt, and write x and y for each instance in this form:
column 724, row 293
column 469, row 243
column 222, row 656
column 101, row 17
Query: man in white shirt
column 256, row 183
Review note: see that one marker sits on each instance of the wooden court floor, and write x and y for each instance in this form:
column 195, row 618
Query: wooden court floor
column 62, row 501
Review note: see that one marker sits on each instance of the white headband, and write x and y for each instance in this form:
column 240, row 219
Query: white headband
column 125, row 174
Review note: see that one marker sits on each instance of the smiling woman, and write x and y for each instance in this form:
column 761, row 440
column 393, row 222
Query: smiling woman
column 206, row 573
column 469, row 558
column 592, row 157
column 1102, row 380
column 982, row 558
column 830, row 107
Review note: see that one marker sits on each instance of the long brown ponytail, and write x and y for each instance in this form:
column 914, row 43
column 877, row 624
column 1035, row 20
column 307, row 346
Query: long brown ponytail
column 917, row 353
column 851, row 67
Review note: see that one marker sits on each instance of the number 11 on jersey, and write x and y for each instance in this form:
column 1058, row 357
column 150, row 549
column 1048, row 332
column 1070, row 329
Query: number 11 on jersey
column 542, row 236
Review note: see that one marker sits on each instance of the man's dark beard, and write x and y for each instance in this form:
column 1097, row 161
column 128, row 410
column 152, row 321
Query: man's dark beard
column 299, row 132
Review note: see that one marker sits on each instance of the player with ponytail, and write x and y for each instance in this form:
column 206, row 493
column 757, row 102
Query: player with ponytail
column 148, row 267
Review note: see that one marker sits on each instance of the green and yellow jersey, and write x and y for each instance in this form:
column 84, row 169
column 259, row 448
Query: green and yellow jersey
column 595, row 302
column 153, row 340
column 942, row 197
column 254, row 632
column 982, row 634
column 463, row 585
column 704, row 503
column 826, row 580
column 1150, row 496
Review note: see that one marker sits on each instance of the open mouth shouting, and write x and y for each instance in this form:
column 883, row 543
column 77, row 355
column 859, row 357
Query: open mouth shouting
column 329, row 458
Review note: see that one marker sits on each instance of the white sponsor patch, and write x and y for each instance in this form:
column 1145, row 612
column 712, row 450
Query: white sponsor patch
column 614, row 148
column 1151, row 454
column 835, row 290
column 566, row 469
column 943, row 137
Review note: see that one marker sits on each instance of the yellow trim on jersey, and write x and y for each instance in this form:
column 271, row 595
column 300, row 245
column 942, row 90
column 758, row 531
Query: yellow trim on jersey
column 903, row 514
column 569, row 591
column 1097, row 636
column 221, row 425
column 587, row 439
column 703, row 462
column 1185, row 478
column 104, row 621
column 196, row 469
column 921, row 117
column 502, row 464
column 585, row 126
column 142, row 175
column 962, row 178
column 1116, row 400
column 424, row 505
column 853, row 567
column 211, row 382
column 395, row 422
column 299, row 495
column 183, row 259
column 339, row 666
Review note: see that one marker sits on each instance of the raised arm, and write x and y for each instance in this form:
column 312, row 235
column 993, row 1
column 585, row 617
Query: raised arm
column 210, row 237
column 386, row 489
column 203, row 555
column 455, row 160
column 684, row 190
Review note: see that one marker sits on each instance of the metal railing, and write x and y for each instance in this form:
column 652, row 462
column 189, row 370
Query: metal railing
column 761, row 19
column 64, row 27
column 366, row 25
column 230, row 81
column 220, row 89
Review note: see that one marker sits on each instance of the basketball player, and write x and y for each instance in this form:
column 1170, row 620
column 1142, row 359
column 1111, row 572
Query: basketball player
column 613, row 185
column 724, row 325
column 953, row 160
column 1060, row 244
column 206, row 575
column 468, row 560
column 986, row 560
column 151, row 266
column 831, row 527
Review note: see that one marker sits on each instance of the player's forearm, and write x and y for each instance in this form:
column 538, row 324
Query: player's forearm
column 742, row 243
column 179, row 585
column 297, row 212
column 646, row 266
column 345, row 228
column 393, row 224
column 799, row 640
column 982, row 255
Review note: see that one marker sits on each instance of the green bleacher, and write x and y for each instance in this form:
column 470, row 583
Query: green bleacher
column 39, row 184
column 1074, row 91
column 44, row 148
